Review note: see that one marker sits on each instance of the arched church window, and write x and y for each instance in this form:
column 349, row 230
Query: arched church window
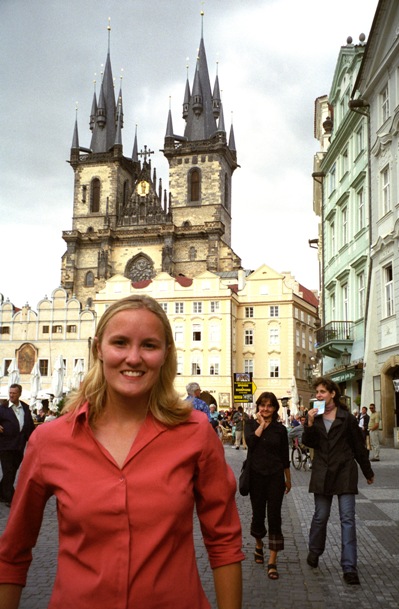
column 226, row 191
column 125, row 192
column 95, row 195
column 89, row 279
column 194, row 191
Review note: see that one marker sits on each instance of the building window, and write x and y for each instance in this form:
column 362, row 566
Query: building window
column 180, row 363
column 95, row 195
column 164, row 305
column 214, row 333
column 179, row 333
column 249, row 311
column 388, row 280
column 214, row 366
column 303, row 338
column 248, row 366
column 179, row 307
column 274, row 368
column 385, row 191
column 332, row 181
column 215, row 306
column 332, row 307
column 298, row 336
column 43, row 367
column 226, row 191
column 249, row 337
column 5, row 330
column 6, row 365
column 332, row 238
column 196, row 365
column 84, row 194
column 89, row 279
column 72, row 329
column 344, row 226
column 197, row 335
column 361, row 288
column 194, row 186
column 384, row 97
column 274, row 311
column 310, row 340
column 345, row 302
column 359, row 140
column 361, row 214
column 197, row 307
column 345, row 162
column 274, row 336
column 57, row 329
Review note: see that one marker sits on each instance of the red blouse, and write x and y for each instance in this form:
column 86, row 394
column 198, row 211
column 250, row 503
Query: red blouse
column 125, row 534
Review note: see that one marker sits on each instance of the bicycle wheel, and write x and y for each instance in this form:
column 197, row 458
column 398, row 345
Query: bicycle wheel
column 296, row 458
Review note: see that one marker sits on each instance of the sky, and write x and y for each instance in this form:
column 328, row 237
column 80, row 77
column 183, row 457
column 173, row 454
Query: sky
column 274, row 58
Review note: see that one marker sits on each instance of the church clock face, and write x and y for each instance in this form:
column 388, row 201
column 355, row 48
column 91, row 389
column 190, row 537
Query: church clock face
column 143, row 188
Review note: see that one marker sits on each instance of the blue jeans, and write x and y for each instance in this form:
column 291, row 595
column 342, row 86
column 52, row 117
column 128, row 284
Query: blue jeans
column 318, row 528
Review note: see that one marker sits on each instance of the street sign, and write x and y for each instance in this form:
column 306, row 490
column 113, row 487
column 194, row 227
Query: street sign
column 244, row 387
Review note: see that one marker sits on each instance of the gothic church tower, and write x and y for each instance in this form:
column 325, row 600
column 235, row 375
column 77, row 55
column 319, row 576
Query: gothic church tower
column 123, row 222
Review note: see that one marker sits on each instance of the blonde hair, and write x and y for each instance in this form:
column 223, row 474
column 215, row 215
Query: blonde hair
column 164, row 402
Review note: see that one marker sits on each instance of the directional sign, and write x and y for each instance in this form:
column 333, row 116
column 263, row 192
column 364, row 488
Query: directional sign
column 244, row 387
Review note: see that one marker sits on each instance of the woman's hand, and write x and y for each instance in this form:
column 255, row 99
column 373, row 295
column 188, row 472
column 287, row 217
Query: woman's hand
column 311, row 415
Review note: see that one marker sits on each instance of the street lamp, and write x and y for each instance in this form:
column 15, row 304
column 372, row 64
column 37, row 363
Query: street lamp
column 309, row 374
column 345, row 358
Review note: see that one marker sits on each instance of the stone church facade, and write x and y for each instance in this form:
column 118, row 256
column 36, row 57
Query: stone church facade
column 124, row 222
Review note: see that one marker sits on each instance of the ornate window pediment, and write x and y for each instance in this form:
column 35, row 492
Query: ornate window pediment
column 139, row 268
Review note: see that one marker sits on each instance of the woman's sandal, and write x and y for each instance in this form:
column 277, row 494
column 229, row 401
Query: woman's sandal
column 259, row 556
column 272, row 572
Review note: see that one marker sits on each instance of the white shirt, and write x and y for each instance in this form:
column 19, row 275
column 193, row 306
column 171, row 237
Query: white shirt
column 19, row 413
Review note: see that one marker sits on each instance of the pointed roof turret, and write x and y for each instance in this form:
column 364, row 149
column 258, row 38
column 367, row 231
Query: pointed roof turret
column 135, row 153
column 221, row 126
column 186, row 102
column 232, row 143
column 75, row 139
column 216, row 100
column 118, row 135
column 169, row 126
column 93, row 112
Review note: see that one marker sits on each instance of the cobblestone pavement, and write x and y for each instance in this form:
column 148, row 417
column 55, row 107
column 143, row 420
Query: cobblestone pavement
column 299, row 586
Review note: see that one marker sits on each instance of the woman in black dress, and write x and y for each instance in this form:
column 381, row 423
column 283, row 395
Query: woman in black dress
column 270, row 477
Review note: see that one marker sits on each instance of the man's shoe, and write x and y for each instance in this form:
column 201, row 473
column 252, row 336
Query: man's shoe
column 352, row 578
column 312, row 560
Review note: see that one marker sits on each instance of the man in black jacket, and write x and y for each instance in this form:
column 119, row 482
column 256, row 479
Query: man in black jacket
column 16, row 425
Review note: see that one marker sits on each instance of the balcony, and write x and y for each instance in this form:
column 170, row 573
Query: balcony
column 334, row 337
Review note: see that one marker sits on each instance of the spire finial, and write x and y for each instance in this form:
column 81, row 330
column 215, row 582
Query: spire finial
column 76, row 109
column 95, row 81
column 170, row 102
column 187, row 65
column 109, row 34
column 202, row 20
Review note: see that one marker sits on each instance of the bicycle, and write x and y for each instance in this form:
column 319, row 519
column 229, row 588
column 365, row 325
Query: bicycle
column 300, row 457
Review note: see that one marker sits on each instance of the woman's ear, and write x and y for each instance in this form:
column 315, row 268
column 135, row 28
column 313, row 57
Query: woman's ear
column 98, row 349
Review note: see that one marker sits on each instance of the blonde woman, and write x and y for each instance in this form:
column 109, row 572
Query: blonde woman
column 127, row 462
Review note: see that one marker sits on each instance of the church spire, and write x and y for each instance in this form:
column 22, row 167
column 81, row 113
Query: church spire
column 200, row 119
column 75, row 139
column 104, row 130
column 135, row 153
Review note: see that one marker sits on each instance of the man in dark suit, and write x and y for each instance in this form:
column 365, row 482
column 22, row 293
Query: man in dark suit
column 16, row 425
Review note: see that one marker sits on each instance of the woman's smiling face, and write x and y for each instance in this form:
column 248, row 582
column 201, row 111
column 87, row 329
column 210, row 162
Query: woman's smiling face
column 133, row 349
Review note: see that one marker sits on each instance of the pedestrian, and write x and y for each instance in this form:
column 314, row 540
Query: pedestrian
column 193, row 391
column 363, row 420
column 128, row 462
column 338, row 443
column 270, row 477
column 238, row 422
column 16, row 426
column 374, row 425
